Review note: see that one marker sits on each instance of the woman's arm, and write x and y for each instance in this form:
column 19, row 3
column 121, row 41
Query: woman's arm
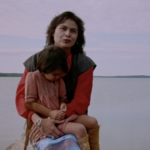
column 20, row 98
column 82, row 94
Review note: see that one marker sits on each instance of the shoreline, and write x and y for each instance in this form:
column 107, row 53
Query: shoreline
column 11, row 74
column 118, row 76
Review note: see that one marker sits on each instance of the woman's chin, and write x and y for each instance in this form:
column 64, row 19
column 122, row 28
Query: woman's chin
column 67, row 49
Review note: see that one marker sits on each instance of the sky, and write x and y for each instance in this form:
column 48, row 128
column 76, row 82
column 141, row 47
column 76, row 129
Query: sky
column 117, row 33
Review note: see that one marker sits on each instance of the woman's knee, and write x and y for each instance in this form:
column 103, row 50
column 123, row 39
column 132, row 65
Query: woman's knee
column 93, row 123
column 80, row 131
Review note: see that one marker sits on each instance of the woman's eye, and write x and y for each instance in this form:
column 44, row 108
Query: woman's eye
column 73, row 31
column 63, row 28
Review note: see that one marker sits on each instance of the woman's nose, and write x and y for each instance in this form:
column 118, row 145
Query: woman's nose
column 67, row 32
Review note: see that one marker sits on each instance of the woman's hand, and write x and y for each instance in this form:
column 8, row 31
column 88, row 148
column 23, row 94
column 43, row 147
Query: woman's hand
column 56, row 114
column 49, row 128
column 63, row 108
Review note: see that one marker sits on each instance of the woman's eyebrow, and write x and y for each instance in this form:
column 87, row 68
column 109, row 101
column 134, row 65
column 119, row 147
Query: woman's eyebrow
column 70, row 28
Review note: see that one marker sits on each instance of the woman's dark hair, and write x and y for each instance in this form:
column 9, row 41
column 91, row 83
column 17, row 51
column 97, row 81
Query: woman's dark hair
column 52, row 58
column 78, row 46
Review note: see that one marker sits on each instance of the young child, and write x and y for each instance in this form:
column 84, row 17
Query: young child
column 46, row 87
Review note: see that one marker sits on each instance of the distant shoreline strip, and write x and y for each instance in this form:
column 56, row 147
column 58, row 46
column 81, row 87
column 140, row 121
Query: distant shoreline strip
column 132, row 76
column 10, row 74
column 135, row 76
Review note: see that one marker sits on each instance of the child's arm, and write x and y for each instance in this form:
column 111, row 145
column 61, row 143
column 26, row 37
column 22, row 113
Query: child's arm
column 62, row 91
column 38, row 108
column 41, row 109
column 31, row 97
column 63, row 97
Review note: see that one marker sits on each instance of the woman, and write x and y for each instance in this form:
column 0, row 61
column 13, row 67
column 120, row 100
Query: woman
column 67, row 32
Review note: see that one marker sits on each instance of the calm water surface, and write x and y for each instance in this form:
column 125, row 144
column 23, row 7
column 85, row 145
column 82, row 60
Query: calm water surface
column 121, row 106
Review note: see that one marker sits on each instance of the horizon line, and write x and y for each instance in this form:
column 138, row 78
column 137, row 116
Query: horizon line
column 97, row 76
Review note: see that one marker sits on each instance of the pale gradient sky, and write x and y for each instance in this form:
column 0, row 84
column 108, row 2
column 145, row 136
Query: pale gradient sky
column 117, row 32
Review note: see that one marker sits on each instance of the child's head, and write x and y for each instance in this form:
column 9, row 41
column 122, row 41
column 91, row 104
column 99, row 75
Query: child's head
column 52, row 62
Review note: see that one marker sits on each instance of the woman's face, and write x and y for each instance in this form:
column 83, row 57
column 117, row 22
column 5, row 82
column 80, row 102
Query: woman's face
column 65, row 35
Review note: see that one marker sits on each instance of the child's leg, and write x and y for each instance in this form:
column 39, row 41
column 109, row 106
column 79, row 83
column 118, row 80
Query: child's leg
column 87, row 121
column 77, row 129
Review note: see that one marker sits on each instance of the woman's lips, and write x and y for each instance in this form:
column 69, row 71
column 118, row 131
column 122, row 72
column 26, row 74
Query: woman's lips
column 67, row 41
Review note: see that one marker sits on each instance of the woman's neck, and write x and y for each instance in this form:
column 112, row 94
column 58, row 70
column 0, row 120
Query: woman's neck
column 67, row 51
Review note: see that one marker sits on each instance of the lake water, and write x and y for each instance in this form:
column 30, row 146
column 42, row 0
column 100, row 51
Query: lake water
column 121, row 105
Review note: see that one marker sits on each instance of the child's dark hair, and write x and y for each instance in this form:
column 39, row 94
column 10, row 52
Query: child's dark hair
column 52, row 58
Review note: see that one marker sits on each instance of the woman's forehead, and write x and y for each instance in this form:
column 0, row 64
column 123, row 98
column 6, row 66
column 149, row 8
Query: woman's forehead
column 69, row 23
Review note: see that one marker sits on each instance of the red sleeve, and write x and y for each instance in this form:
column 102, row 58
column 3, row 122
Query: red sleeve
column 20, row 98
column 82, row 94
